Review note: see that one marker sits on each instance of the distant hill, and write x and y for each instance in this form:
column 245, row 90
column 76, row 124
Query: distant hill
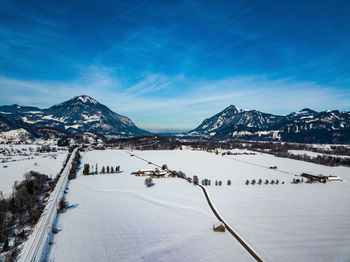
column 306, row 126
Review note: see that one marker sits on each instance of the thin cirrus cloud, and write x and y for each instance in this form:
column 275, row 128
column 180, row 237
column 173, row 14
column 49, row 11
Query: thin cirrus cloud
column 150, row 109
column 172, row 64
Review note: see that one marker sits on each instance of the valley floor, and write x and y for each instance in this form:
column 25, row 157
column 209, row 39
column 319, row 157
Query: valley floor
column 114, row 217
column 13, row 166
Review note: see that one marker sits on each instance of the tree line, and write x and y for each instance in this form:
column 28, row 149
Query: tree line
column 93, row 170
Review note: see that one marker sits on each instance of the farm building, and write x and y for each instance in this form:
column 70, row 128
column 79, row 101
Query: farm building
column 334, row 179
column 219, row 227
column 150, row 172
column 313, row 178
column 143, row 172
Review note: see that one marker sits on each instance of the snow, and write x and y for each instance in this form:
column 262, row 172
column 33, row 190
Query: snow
column 25, row 119
column 73, row 126
column 116, row 218
column 50, row 117
column 14, row 135
column 276, row 220
column 86, row 99
column 92, row 118
column 274, row 133
column 46, row 163
column 36, row 245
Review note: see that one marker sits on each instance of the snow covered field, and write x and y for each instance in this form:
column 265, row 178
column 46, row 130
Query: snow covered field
column 116, row 218
column 21, row 160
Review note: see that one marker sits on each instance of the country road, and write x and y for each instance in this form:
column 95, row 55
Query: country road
column 34, row 247
column 243, row 243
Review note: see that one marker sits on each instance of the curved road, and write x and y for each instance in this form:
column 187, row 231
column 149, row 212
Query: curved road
column 229, row 229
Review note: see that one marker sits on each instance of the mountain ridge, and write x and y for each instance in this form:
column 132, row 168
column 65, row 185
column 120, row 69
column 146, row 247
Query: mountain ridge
column 77, row 115
column 306, row 125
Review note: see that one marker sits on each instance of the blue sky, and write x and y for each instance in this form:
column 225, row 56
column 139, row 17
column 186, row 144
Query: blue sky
column 170, row 64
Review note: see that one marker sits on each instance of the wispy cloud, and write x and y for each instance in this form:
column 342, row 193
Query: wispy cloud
column 173, row 63
column 147, row 105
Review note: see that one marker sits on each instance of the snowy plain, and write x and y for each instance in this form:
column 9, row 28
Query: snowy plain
column 303, row 222
column 114, row 217
column 15, row 165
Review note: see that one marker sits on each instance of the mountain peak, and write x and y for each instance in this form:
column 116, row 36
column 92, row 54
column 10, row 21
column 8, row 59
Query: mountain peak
column 234, row 109
column 308, row 110
column 84, row 99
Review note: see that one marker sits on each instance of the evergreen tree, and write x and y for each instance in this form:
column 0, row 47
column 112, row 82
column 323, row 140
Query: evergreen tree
column 103, row 170
column 107, row 169
column 86, row 169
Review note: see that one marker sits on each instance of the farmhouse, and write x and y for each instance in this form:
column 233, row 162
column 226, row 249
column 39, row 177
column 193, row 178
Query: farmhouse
column 334, row 179
column 219, row 227
column 321, row 178
column 143, row 172
column 150, row 172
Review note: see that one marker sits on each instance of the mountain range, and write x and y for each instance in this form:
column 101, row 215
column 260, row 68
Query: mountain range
column 83, row 114
column 306, row 126
column 77, row 115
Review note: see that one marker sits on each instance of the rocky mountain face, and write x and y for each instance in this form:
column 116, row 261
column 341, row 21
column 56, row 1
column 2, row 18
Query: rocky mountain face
column 304, row 126
column 78, row 115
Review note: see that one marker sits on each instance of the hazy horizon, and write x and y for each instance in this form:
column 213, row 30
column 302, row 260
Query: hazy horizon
column 169, row 65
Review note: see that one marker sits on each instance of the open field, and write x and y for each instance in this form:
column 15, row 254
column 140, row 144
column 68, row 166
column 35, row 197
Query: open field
column 116, row 218
column 305, row 222
column 15, row 164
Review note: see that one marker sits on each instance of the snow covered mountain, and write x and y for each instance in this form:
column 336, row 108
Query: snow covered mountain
column 303, row 126
column 235, row 119
column 78, row 115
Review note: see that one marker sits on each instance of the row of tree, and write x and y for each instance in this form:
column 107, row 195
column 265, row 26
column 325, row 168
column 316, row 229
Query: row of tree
column 259, row 182
column 282, row 150
column 104, row 170
column 207, row 182
column 75, row 165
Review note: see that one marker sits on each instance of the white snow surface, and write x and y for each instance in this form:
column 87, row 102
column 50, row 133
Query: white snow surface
column 13, row 170
column 116, row 218
column 73, row 126
column 14, row 135
column 305, row 222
